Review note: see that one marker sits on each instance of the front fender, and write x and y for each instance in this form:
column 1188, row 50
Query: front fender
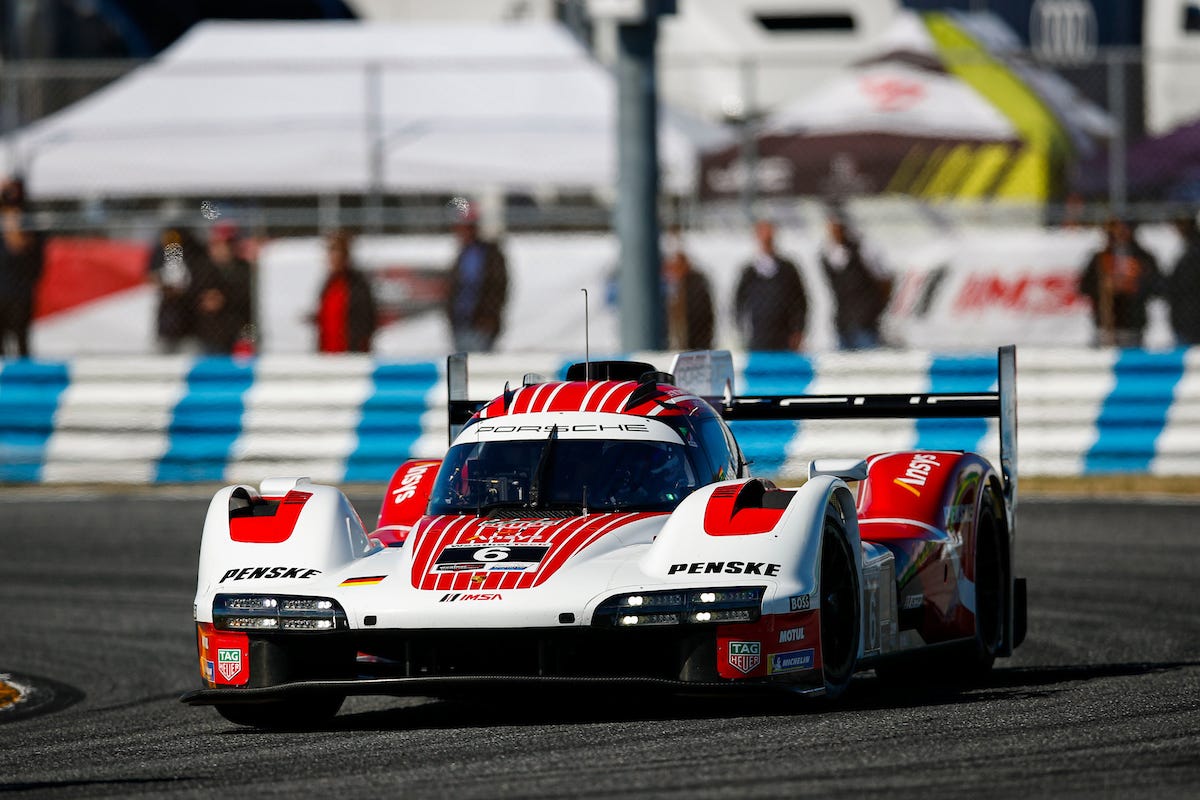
column 277, row 543
column 696, row 542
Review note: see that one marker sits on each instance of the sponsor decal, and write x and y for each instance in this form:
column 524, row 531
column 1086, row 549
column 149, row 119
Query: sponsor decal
column 477, row 580
column 917, row 472
column 468, row 567
column 1024, row 292
column 408, row 484
column 745, row 656
column 209, row 671
column 229, row 662
column 726, row 567
column 791, row 635
column 511, row 531
column 457, row 557
column 631, row 427
column 254, row 573
column 792, row 661
column 454, row 597
column 367, row 580
column 800, row 602
column 913, row 601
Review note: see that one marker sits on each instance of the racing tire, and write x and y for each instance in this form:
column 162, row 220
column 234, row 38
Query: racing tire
column 295, row 714
column 991, row 589
column 841, row 615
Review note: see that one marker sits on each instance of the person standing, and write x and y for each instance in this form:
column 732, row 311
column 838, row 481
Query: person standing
column 478, row 288
column 172, row 266
column 770, row 304
column 1183, row 285
column 689, row 300
column 222, row 289
column 346, row 313
column 1119, row 279
column 22, row 250
column 861, row 287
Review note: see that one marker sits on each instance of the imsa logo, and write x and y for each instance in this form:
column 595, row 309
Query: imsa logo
column 745, row 656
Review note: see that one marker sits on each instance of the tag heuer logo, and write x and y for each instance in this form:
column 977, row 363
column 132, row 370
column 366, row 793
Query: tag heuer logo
column 229, row 662
column 745, row 656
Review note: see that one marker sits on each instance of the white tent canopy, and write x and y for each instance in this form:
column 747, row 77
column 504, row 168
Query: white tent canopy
column 890, row 93
column 316, row 107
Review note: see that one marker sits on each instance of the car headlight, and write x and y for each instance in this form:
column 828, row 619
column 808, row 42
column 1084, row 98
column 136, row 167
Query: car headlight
column 258, row 612
column 688, row 607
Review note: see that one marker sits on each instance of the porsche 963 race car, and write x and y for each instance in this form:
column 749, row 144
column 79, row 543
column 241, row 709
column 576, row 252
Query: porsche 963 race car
column 605, row 529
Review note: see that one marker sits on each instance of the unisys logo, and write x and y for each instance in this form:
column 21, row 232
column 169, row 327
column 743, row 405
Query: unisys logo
column 917, row 472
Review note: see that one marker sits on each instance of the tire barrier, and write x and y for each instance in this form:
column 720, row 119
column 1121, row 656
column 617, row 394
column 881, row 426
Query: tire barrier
column 353, row 419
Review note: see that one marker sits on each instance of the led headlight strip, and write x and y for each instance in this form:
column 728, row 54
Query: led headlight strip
column 264, row 612
column 682, row 607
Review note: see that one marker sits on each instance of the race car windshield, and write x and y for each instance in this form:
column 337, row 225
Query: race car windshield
column 564, row 474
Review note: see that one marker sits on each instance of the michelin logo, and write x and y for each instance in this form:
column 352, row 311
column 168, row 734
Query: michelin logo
column 793, row 661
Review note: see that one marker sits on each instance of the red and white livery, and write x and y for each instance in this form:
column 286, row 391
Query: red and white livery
column 605, row 529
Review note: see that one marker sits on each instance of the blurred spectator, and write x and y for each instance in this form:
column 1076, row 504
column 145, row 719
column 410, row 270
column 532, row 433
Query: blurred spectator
column 222, row 290
column 1183, row 285
column 21, row 253
column 478, row 288
column 861, row 286
column 689, row 299
column 1119, row 279
column 770, row 304
column 345, row 317
column 172, row 266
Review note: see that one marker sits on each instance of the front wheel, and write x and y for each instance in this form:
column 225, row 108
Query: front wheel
column 840, row 612
column 291, row 714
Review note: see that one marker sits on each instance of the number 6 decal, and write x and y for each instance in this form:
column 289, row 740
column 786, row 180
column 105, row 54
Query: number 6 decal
column 491, row 554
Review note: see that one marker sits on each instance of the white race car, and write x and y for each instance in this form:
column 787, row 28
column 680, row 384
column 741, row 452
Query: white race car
column 605, row 529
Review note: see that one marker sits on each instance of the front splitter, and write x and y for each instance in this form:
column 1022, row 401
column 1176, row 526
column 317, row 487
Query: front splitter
column 460, row 684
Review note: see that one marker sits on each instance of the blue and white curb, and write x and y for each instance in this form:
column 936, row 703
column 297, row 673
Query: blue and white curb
column 355, row 418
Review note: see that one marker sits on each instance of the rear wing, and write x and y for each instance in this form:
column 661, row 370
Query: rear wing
column 1000, row 405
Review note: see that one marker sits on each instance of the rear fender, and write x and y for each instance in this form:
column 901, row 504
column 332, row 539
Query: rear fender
column 289, row 540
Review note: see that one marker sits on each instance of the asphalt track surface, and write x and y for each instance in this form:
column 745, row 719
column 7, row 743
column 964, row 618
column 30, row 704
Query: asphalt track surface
column 1102, row 700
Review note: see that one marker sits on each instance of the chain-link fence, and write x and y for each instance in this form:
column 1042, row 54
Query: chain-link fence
column 1083, row 153
column 773, row 130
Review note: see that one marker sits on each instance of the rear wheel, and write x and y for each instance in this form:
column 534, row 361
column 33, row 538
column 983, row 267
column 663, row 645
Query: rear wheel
column 292, row 714
column 991, row 587
column 840, row 614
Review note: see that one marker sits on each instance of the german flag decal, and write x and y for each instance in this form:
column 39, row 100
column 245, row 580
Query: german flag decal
column 369, row 580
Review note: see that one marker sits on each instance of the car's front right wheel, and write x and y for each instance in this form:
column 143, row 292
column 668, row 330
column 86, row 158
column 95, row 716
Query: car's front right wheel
column 840, row 615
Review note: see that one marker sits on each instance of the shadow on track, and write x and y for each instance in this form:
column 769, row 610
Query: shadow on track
column 866, row 694
column 43, row 696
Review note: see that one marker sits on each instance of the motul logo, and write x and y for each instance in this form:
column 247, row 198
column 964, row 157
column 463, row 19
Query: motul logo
column 791, row 635
column 917, row 472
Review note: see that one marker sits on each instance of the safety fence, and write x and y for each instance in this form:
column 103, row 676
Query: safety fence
column 354, row 419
